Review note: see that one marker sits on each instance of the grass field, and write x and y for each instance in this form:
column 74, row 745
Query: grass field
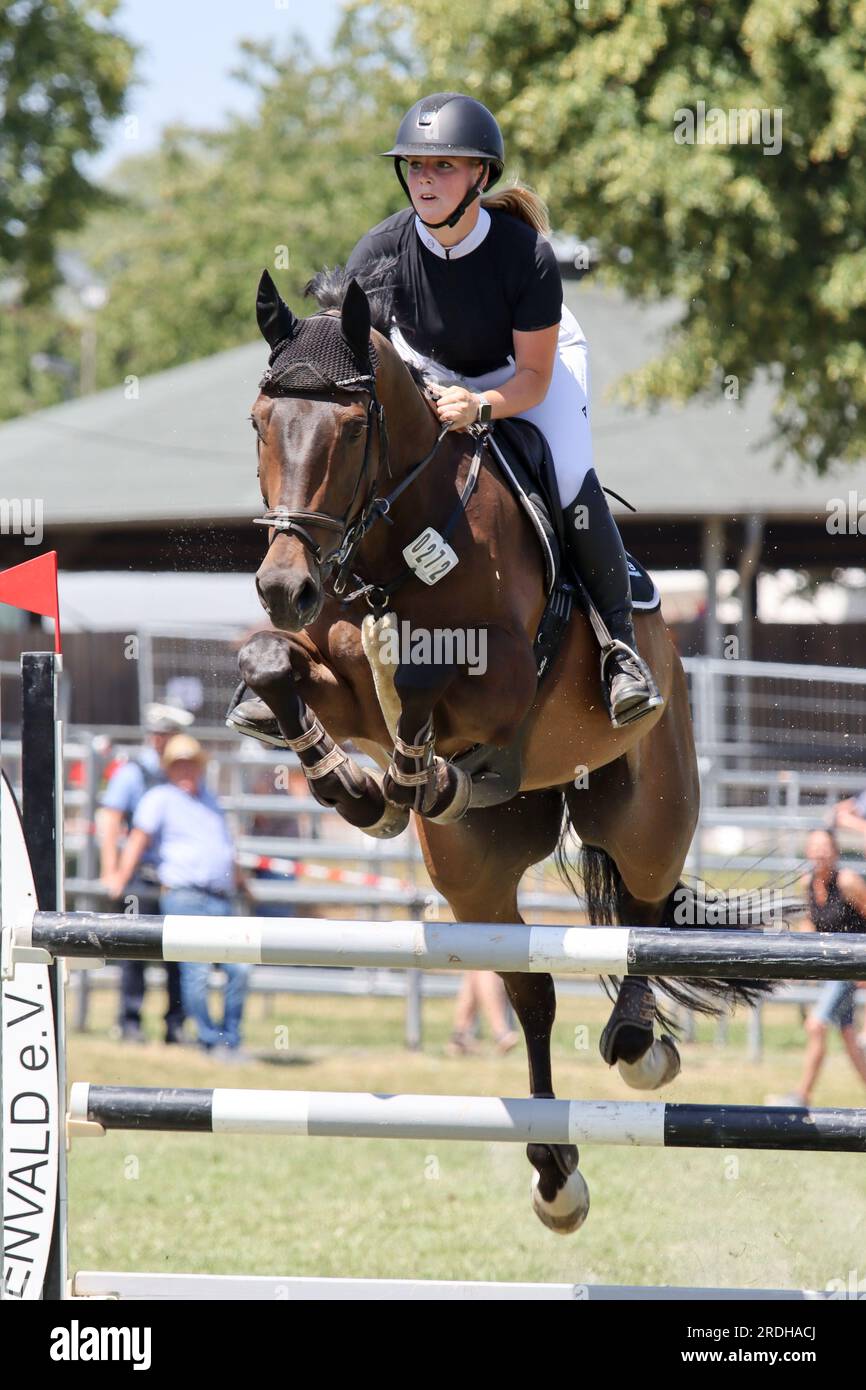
column 409, row 1209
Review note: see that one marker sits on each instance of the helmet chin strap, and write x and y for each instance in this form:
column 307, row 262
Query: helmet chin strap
column 474, row 192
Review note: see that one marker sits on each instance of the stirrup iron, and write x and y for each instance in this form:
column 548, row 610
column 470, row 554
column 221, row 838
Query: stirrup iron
column 653, row 700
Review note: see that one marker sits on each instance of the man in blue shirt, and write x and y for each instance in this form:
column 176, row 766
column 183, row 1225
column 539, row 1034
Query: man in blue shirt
column 125, row 790
column 182, row 824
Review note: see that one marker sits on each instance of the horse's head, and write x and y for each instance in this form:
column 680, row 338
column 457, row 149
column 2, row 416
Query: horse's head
column 320, row 446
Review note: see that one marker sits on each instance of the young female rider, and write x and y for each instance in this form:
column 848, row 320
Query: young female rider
column 478, row 290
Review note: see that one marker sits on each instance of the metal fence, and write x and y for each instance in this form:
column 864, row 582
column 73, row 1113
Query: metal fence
column 749, row 715
column 778, row 746
column 198, row 671
column 766, row 715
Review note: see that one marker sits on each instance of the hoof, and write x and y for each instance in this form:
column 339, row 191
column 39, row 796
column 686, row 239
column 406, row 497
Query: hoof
column 569, row 1208
column 393, row 820
column 659, row 1065
column 457, row 795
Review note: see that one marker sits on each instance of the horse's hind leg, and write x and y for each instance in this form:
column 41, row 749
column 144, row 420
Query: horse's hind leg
column 628, row 1041
column 477, row 864
column 636, row 818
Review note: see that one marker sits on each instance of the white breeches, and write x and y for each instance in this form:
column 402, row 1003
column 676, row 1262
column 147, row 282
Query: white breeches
column 563, row 416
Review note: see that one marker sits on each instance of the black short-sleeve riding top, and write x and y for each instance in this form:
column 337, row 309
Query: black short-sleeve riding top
column 462, row 304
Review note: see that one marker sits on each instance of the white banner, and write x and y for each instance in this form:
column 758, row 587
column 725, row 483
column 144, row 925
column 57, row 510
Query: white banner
column 31, row 1114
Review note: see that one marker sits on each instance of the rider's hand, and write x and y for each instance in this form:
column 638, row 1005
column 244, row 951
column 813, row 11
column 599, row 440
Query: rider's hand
column 457, row 408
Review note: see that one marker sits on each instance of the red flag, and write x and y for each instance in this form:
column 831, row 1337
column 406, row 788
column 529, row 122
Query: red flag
column 33, row 586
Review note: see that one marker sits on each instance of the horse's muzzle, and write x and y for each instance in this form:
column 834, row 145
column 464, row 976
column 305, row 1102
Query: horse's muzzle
column 291, row 601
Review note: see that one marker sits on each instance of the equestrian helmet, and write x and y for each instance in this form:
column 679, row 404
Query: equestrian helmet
column 450, row 123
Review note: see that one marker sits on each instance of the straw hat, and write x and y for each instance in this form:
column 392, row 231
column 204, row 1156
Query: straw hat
column 183, row 746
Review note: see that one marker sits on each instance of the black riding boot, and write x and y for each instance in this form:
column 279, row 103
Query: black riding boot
column 251, row 716
column 596, row 551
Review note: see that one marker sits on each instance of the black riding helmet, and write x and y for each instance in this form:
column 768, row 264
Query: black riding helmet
column 449, row 123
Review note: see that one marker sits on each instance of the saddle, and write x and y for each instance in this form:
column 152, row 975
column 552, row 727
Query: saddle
column 523, row 456
column 525, row 461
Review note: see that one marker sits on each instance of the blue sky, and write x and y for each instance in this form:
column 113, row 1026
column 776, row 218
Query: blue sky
column 188, row 48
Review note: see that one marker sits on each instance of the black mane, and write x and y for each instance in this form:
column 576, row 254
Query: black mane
column 328, row 288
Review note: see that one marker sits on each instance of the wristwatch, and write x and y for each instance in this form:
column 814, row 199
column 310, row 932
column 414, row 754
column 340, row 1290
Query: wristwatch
column 485, row 411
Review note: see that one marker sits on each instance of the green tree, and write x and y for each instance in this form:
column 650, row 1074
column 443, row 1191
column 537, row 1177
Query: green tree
column 64, row 73
column 766, row 252
column 291, row 188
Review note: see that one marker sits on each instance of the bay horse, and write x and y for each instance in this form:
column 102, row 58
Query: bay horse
column 353, row 464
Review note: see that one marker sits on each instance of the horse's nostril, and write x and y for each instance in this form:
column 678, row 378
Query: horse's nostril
column 306, row 597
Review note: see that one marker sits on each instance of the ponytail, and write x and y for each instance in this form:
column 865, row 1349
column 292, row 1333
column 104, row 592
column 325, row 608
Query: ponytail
column 521, row 202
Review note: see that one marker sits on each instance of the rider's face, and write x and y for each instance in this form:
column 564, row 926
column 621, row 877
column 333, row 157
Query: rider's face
column 438, row 182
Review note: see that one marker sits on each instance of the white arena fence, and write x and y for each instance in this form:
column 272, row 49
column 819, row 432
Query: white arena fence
column 38, row 933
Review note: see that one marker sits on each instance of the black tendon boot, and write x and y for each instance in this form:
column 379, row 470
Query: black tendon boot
column 596, row 551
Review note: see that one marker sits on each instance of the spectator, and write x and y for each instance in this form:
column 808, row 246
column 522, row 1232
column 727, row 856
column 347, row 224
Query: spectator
column 837, row 903
column 124, row 791
column 187, row 830
column 481, row 991
column 851, row 815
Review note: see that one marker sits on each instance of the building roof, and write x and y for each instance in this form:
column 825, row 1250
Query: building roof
column 694, row 460
column 181, row 449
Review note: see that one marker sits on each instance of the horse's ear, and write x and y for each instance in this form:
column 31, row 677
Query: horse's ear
column 275, row 318
column 355, row 321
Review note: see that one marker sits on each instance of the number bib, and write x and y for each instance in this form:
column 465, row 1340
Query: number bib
column 430, row 556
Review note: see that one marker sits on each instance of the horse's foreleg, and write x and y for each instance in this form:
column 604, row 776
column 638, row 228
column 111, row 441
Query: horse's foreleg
column 416, row 779
column 334, row 778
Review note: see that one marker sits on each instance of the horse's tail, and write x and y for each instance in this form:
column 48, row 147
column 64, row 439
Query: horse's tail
column 602, row 892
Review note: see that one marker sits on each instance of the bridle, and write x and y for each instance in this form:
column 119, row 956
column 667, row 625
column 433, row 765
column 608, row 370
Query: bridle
column 352, row 529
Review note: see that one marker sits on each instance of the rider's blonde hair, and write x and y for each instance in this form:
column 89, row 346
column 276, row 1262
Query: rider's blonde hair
column 518, row 200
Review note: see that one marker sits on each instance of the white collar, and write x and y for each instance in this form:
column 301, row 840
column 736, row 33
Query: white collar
column 469, row 242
